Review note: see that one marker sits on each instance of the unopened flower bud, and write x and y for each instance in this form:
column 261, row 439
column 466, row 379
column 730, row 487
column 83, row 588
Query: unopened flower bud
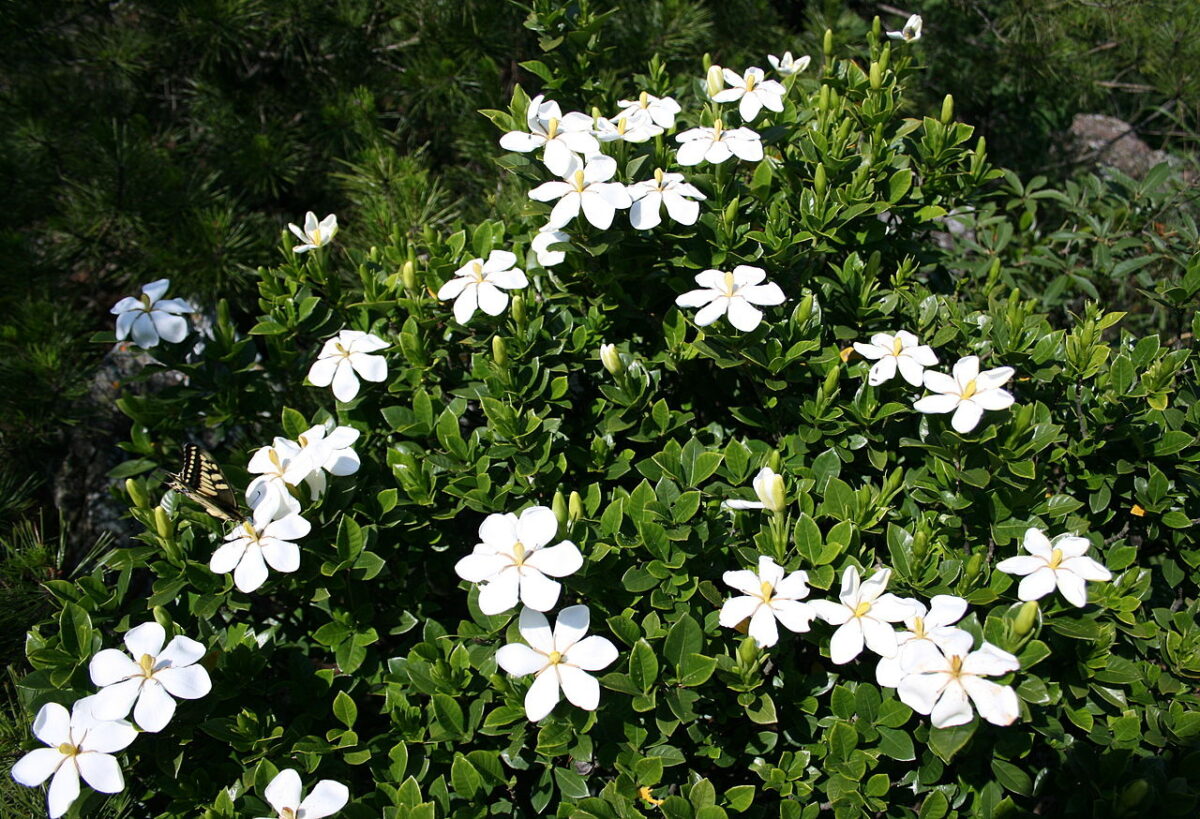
column 805, row 308
column 827, row 43
column 819, row 180
column 769, row 487
column 162, row 523
column 774, row 460
column 876, row 77
column 885, row 56
column 408, row 276
column 920, row 544
column 559, row 507
column 499, row 351
column 714, row 81
column 611, row 359
column 877, row 27
column 831, row 379
column 947, row 110
column 823, row 98
column 1026, row 618
column 518, row 309
column 136, row 493
column 1134, row 793
column 747, row 652
column 574, row 507
column 973, row 567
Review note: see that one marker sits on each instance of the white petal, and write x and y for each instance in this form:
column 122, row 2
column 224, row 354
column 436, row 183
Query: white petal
column 556, row 561
column 598, row 210
column 945, row 610
column 124, row 322
column 792, row 587
column 1021, row 565
column 328, row 797
column 592, row 653
column 794, row 615
column 283, row 792
column 712, row 311
column 749, row 107
column 115, row 701
column 762, row 627
column 535, row 629
column 888, row 672
column 996, row 703
column 36, row 766
column 833, row 613
column 64, row 789
column 952, row 708
column 882, row 370
column 542, row 696
column 227, row 556
column 847, row 642
column 154, row 708
column 879, row 636
column 145, row 334
column 320, row 374
column 920, row 692
column 910, row 369
column 996, row 377
column 345, row 383
column 1073, row 587
column 571, row 626
column 996, row 399
column 1037, row 585
column 371, row 368
column 749, row 150
column 692, row 153
column 251, row 571
column 521, row 142
column 1086, row 568
column 101, row 771
column 180, row 651
column 893, row 609
column 990, row 661
column 111, row 666
column 479, row 566
column 538, row 591
column 942, row 383
column 536, row 527
column 170, row 327
column 742, row 315
column 1036, row 543
column 501, row 593
column 645, row 213
column 737, row 609
column 696, row 298
column 107, row 737
column 492, row 300
column 966, row 417
column 453, row 288
column 520, row 660
column 580, row 687
column 188, row 683
column 684, row 211
column 966, row 369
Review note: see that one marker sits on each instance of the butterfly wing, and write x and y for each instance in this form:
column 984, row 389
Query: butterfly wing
column 202, row 480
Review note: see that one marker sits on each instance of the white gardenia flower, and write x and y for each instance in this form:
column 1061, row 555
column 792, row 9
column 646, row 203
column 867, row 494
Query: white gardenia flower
column 344, row 359
column 1059, row 563
column 284, row 792
column 314, row 234
column 586, row 187
column 147, row 681
column 935, row 624
column 754, row 92
column 863, row 615
column 511, row 563
column 80, row 746
column 716, row 144
column 662, row 110
column 278, row 467
column 478, row 284
column 558, row 660
column 769, row 487
column 944, row 682
column 632, row 125
column 733, row 295
column 911, row 31
column 322, row 450
column 541, row 243
column 786, row 66
column 250, row 548
column 150, row 317
column 768, row 596
column 901, row 351
column 681, row 200
column 967, row 393
column 562, row 137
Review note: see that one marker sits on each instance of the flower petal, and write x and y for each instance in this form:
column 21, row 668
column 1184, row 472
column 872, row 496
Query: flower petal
column 328, row 797
column 847, row 642
column 111, row 666
column 101, row 771
column 1087, row 568
column 762, row 627
column 711, row 312
column 520, row 660
column 1073, row 587
column 831, row 612
column 997, row 704
column 1037, row 585
column 371, row 368
column 592, row 653
column 345, row 384
column 64, row 789
column 535, row 629
column 321, row 373
column 188, row 683
column 920, row 692
column 283, row 792
column 501, row 593
column 154, row 707
column 879, row 636
column 145, row 334
column 911, row 370
column 170, row 327
column 742, row 314
column 542, row 696
column 882, row 370
column 794, row 615
column 736, row 609
column 538, row 591
column 492, row 300
column 952, row 708
column 251, row 571
column 36, row 766
column 1036, row 543
column 180, row 651
column 966, row 417
column 148, row 638
column 1021, row 565
column 115, row 701
column 281, row 555
column 477, row 567
column 580, row 687
column 536, row 527
column 570, row 627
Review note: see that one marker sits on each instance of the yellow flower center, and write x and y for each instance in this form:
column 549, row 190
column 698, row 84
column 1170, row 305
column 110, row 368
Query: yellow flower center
column 578, row 181
column 274, row 457
column 658, row 177
column 644, row 100
column 1056, row 558
column 67, row 749
column 315, row 236
column 919, row 627
column 518, row 553
column 477, row 271
column 147, row 665
column 750, row 83
column 622, row 124
column 766, row 591
column 896, row 346
column 718, row 126
column 287, row 813
column 969, row 390
column 342, row 351
column 555, row 657
column 552, row 128
column 862, row 608
column 729, row 286
column 147, row 305
column 956, row 666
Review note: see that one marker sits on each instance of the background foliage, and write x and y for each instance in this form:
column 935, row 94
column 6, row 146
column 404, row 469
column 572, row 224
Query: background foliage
column 150, row 139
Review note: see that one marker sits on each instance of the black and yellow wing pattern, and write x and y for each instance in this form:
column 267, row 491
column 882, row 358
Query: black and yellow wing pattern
column 202, row 480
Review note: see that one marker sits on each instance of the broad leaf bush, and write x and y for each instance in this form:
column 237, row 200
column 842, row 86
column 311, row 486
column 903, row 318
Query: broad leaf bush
column 602, row 404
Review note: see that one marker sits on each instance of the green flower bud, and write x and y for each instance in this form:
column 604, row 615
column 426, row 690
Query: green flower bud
column 876, row 76
column 973, row 567
column 885, row 56
column 774, row 460
column 574, row 507
column 408, row 276
column 559, row 507
column 499, row 351
column 136, row 493
column 947, row 110
column 804, row 311
column 823, row 98
column 819, row 180
column 747, row 652
column 162, row 523
column 831, row 379
column 920, row 544
column 1135, row 792
column 877, row 27
column 518, row 309
column 827, row 44
column 611, row 359
column 714, row 81
column 1026, row 618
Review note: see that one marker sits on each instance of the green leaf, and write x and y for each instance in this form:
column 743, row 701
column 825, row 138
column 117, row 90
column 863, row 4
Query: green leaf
column 570, row 784
column 697, row 463
column 345, row 709
column 696, row 669
column 643, row 665
column 740, row 797
column 946, row 742
column 75, row 631
column 897, row 744
column 1012, row 777
column 684, row 638
column 449, row 714
column 464, row 778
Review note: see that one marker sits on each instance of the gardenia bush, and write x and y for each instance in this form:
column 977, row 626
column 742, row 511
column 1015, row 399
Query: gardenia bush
column 692, row 483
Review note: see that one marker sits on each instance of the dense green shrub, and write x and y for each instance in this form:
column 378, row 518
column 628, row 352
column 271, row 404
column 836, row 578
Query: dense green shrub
column 373, row 665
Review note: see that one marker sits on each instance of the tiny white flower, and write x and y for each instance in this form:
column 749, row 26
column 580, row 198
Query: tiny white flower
column 1059, row 563
column 562, row 137
column 786, row 66
column 344, row 356
column 716, row 144
column 681, row 200
column 768, row 596
column 662, row 110
column 967, row 393
column 632, row 125
column 150, row 317
column 250, row 548
column 935, row 625
column 147, row 682
column 541, row 243
column 80, row 746
column 284, row 791
column 911, row 31
column 733, row 295
column 586, row 187
column 314, row 234
column 769, row 487
column 559, row 660
column 612, row 359
column 321, row 450
column 477, row 284
column 754, row 92
column 863, row 615
column 277, row 468
column 944, row 683
column 899, row 351
column 511, row 563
